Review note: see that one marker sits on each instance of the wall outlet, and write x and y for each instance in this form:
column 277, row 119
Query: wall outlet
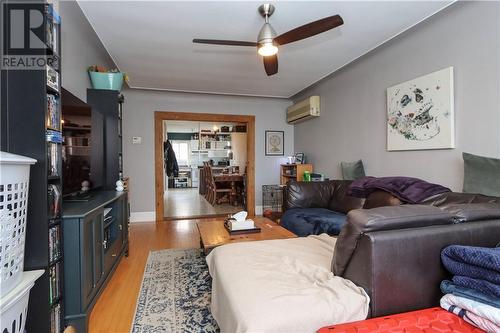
column 136, row 140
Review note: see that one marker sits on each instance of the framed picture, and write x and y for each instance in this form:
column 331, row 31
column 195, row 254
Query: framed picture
column 420, row 113
column 300, row 158
column 275, row 143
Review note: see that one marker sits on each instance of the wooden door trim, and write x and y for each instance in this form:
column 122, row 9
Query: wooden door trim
column 161, row 116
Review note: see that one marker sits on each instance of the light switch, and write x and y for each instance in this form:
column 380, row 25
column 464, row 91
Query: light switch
column 136, row 140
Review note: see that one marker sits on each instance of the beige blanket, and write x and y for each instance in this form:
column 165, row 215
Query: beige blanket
column 281, row 286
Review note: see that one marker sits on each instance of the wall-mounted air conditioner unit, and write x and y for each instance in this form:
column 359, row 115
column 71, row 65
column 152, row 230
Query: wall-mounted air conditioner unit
column 303, row 110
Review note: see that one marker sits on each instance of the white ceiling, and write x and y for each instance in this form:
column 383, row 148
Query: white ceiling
column 151, row 41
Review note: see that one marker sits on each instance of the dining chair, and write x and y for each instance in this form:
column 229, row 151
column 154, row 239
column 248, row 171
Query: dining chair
column 206, row 182
column 216, row 188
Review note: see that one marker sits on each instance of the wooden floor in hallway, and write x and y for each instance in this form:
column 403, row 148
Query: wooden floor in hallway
column 114, row 311
column 183, row 202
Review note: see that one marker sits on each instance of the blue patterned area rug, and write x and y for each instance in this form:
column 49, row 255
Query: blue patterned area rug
column 175, row 294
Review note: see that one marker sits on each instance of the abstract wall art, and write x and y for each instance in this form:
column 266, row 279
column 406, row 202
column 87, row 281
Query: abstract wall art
column 420, row 113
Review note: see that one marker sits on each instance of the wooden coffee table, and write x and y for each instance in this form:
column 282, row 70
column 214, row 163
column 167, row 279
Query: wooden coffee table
column 213, row 233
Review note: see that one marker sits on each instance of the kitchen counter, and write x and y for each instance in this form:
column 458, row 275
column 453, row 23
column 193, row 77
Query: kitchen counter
column 217, row 167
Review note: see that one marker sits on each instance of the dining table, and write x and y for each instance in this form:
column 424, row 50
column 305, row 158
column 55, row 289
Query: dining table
column 233, row 179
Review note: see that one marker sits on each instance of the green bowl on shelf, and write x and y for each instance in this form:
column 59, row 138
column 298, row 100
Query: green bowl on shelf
column 108, row 81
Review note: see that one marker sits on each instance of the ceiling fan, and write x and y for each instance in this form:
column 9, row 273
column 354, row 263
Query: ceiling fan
column 268, row 41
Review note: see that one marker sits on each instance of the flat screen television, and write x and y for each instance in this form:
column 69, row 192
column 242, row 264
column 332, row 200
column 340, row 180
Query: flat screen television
column 77, row 144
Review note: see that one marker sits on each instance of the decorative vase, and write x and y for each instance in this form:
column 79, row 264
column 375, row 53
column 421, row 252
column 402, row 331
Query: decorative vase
column 108, row 81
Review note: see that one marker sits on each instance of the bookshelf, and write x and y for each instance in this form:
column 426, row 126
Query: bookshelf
column 106, row 157
column 293, row 172
column 31, row 126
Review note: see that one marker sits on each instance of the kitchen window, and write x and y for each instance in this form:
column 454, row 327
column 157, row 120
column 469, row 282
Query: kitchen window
column 181, row 150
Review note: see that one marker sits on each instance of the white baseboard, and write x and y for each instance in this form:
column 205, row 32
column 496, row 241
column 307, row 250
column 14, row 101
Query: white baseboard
column 258, row 210
column 138, row 217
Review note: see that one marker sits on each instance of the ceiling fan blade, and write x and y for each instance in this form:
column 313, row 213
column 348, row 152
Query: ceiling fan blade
column 309, row 30
column 271, row 64
column 224, row 42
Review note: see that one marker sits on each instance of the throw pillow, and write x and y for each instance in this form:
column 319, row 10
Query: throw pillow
column 352, row 170
column 381, row 199
column 481, row 175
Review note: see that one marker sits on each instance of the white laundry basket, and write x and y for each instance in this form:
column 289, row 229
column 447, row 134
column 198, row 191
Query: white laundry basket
column 14, row 182
column 14, row 305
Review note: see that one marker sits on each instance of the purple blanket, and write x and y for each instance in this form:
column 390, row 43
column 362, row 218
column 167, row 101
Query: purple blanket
column 409, row 190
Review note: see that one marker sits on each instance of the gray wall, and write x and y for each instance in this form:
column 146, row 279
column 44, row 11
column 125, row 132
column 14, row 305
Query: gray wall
column 139, row 109
column 353, row 120
column 80, row 48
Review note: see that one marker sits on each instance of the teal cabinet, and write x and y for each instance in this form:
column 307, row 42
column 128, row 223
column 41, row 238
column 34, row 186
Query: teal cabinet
column 92, row 254
column 95, row 239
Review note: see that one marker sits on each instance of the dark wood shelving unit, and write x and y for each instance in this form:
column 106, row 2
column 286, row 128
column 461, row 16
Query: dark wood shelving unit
column 96, row 230
column 30, row 126
column 107, row 113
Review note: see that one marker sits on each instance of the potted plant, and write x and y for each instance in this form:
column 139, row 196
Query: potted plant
column 102, row 78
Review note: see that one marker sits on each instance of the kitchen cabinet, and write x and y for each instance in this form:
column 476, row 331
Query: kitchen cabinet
column 195, row 176
column 239, row 150
column 195, row 145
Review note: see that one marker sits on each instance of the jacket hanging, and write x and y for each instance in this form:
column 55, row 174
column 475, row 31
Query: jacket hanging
column 171, row 167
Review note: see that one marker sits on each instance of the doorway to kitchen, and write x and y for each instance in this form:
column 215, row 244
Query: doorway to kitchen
column 204, row 165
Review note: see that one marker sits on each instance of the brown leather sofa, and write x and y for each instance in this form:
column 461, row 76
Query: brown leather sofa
column 394, row 252
column 317, row 207
column 330, row 194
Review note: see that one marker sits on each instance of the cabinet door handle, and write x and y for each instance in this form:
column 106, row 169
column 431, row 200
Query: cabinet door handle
column 113, row 255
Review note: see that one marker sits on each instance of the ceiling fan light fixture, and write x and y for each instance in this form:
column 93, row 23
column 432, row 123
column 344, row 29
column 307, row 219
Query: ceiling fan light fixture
column 268, row 41
column 267, row 49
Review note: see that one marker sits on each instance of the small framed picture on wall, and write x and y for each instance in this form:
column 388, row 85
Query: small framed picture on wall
column 275, row 143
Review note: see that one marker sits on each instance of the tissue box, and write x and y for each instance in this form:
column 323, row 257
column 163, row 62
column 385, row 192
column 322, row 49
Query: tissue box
column 241, row 225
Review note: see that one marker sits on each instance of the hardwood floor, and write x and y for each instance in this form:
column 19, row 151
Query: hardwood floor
column 182, row 202
column 114, row 311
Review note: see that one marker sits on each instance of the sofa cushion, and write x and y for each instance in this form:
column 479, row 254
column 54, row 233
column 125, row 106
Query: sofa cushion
column 330, row 194
column 308, row 194
column 312, row 221
column 474, row 211
column 381, row 199
column 448, row 199
column 341, row 201
column 481, row 174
